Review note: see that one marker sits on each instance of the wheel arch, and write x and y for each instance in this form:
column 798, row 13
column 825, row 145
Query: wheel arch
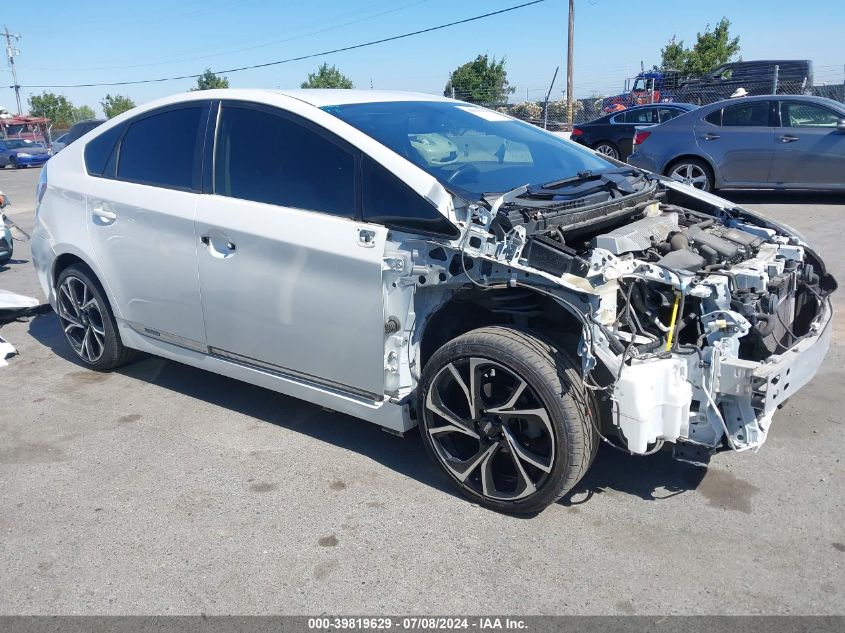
column 69, row 257
column 471, row 309
column 671, row 163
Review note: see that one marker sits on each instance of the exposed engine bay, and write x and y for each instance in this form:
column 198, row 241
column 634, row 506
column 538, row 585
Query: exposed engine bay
column 698, row 319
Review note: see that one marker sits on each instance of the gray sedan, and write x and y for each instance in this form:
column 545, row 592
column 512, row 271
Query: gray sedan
column 770, row 142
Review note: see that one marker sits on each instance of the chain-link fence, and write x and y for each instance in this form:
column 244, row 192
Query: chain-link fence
column 744, row 79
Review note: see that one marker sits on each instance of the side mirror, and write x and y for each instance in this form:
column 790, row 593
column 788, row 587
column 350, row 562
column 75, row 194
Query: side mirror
column 840, row 125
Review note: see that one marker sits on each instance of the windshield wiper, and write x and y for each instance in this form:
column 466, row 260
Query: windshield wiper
column 584, row 176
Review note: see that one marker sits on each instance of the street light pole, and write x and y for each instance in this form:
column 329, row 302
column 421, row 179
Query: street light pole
column 569, row 49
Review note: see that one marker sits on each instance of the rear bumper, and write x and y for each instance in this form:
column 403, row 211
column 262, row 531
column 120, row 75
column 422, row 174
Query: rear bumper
column 644, row 161
column 43, row 258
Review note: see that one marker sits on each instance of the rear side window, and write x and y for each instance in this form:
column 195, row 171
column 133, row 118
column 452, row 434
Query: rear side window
column 669, row 113
column 390, row 202
column 714, row 117
column 645, row 116
column 163, row 149
column 753, row 114
column 100, row 149
column 267, row 157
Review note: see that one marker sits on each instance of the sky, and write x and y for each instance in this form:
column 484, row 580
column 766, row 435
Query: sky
column 93, row 42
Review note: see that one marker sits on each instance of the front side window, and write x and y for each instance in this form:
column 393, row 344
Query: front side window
column 752, row 114
column 801, row 114
column 266, row 157
column 162, row 149
column 467, row 148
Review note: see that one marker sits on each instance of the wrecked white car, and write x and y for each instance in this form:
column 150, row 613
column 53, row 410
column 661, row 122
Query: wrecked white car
column 413, row 260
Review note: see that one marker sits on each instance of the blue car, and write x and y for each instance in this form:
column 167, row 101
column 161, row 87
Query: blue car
column 22, row 153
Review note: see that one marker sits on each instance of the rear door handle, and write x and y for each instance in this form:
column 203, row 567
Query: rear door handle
column 788, row 138
column 229, row 245
column 104, row 213
column 710, row 136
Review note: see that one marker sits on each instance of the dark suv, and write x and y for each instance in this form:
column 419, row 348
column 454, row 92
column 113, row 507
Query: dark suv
column 757, row 78
column 82, row 128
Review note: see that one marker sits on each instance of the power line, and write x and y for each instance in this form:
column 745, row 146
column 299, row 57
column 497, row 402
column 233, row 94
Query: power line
column 295, row 59
column 243, row 49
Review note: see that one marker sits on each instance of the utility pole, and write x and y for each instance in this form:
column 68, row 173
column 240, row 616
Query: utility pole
column 569, row 49
column 11, row 52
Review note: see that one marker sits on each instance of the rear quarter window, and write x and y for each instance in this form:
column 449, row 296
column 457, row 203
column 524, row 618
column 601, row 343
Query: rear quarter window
column 100, row 149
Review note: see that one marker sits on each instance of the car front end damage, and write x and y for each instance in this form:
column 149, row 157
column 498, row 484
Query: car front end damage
column 698, row 319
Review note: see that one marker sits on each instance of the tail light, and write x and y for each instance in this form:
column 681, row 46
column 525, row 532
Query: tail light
column 576, row 131
column 640, row 137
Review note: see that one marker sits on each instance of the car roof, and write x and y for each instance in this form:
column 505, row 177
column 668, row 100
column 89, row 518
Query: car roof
column 326, row 97
column 808, row 98
column 672, row 104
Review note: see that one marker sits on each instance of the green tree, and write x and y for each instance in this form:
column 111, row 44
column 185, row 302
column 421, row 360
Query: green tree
column 209, row 81
column 55, row 107
column 83, row 113
column 117, row 104
column 327, row 77
column 673, row 56
column 483, row 81
column 712, row 48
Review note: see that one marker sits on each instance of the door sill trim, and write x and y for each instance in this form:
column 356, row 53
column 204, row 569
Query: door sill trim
column 365, row 397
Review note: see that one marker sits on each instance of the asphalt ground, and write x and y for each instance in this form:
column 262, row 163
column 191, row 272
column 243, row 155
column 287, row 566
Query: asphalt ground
column 160, row 488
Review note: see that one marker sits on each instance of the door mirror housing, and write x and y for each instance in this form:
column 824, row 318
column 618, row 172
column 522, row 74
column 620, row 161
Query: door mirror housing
column 840, row 125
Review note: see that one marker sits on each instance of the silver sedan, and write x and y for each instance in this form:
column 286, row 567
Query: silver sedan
column 770, row 142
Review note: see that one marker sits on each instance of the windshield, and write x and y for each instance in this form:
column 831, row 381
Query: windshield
column 641, row 85
column 470, row 149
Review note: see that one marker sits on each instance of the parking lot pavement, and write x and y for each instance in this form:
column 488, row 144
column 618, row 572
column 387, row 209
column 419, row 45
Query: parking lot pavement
column 163, row 489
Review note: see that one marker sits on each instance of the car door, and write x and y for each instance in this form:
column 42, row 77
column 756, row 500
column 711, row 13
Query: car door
column 291, row 279
column 141, row 200
column 738, row 140
column 809, row 147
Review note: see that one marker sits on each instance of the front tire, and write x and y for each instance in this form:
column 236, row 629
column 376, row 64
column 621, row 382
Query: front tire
column 504, row 414
column 87, row 320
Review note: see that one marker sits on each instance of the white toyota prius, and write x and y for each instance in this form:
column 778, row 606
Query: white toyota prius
column 413, row 260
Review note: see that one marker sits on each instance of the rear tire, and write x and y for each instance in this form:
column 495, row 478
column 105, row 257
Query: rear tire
column 693, row 172
column 608, row 149
column 505, row 415
column 87, row 320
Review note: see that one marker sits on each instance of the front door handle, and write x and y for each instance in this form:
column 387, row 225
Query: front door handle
column 104, row 213
column 710, row 136
column 788, row 138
